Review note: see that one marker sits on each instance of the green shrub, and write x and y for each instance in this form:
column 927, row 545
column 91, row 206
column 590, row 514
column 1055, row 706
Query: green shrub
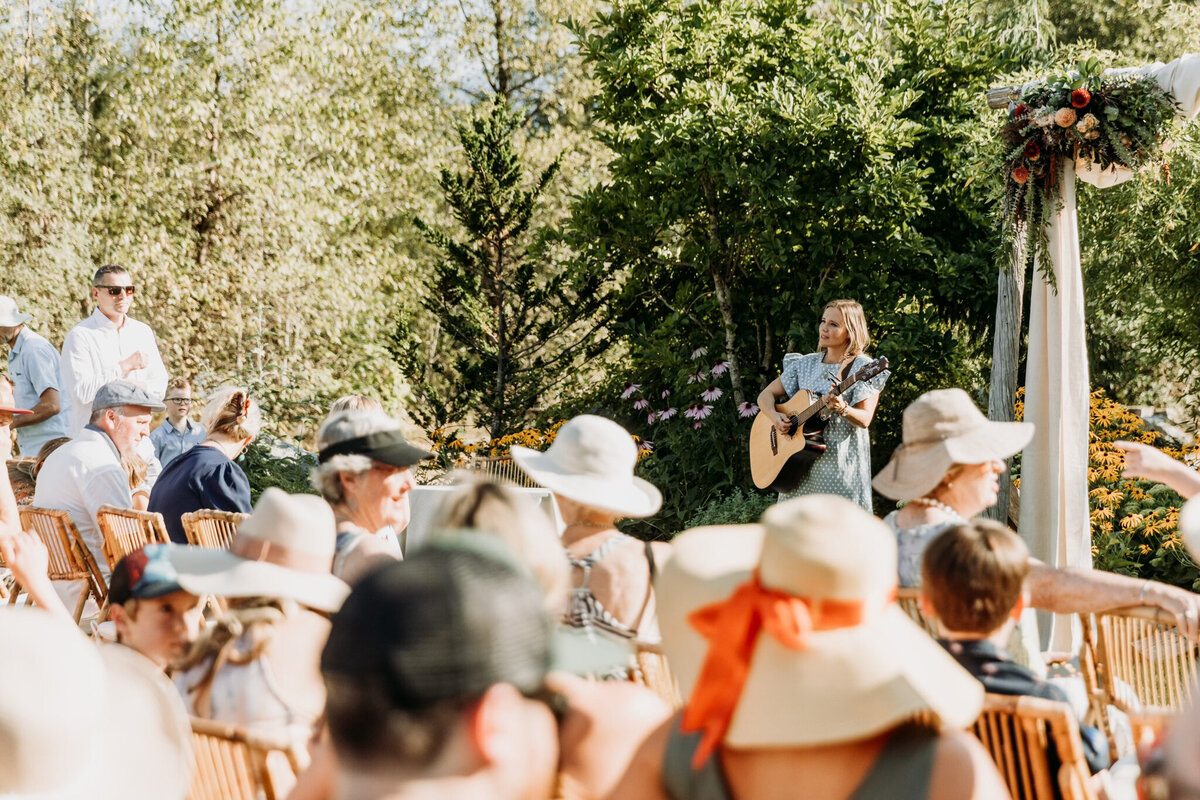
column 269, row 461
column 736, row 508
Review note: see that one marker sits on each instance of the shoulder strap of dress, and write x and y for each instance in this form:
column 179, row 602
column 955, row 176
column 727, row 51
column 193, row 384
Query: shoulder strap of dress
column 903, row 767
column 684, row 783
column 637, row 623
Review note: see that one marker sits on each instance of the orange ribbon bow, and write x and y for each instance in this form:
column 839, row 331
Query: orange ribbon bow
column 732, row 627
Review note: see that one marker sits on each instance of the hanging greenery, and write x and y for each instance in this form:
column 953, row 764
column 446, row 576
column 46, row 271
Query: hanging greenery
column 1114, row 120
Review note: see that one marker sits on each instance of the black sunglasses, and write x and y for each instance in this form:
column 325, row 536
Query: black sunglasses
column 117, row 291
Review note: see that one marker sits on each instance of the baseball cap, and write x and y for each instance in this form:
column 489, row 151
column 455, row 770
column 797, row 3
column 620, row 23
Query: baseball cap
column 144, row 574
column 122, row 392
column 445, row 624
column 388, row 446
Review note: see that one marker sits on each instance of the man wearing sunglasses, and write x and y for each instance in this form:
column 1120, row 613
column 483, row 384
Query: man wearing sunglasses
column 109, row 345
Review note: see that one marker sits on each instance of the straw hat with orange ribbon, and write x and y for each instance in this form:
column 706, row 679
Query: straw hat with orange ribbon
column 787, row 634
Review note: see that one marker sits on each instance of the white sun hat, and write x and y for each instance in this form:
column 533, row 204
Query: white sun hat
column 284, row 549
column 591, row 461
column 81, row 722
column 10, row 317
column 943, row 428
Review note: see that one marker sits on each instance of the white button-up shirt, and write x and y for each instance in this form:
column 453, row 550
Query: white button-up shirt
column 79, row 477
column 92, row 355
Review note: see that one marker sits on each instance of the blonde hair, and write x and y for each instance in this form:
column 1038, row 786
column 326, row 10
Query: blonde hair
column 254, row 617
column 135, row 467
column 490, row 508
column 232, row 413
column 179, row 382
column 855, row 323
column 355, row 402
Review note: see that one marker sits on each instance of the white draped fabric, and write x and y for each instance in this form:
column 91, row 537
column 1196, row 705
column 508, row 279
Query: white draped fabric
column 1054, row 506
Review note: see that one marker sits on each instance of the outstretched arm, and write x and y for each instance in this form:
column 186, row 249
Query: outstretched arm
column 1144, row 461
column 1083, row 591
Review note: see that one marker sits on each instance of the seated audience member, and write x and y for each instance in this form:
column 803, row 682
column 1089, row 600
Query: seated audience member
column 177, row 434
column 365, row 474
column 435, row 672
column 86, row 472
column 20, row 476
column 207, row 476
column 135, row 467
column 603, row 721
column 802, row 673
column 973, row 580
column 44, row 453
column 589, row 468
column 355, row 402
column 946, row 470
column 257, row 665
column 152, row 613
column 82, row 721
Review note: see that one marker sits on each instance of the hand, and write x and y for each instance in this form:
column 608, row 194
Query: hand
column 781, row 423
column 836, row 404
column 137, row 360
column 1144, row 461
column 26, row 556
column 1184, row 605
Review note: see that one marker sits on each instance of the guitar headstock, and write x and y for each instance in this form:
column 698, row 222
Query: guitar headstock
column 871, row 370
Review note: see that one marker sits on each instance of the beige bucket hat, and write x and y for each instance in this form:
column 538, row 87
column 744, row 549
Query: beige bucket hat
column 591, row 461
column 858, row 666
column 943, row 428
column 81, row 722
column 284, row 549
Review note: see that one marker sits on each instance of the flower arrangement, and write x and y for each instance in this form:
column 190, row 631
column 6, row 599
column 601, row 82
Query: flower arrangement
column 1111, row 120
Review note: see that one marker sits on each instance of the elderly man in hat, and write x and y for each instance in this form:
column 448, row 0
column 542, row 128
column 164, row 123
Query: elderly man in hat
column 86, row 473
column 35, row 371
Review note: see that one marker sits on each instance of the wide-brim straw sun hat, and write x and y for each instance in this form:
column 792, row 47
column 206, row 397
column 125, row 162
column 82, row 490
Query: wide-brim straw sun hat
column 284, row 550
column 591, row 461
column 1189, row 526
column 943, row 428
column 834, row 660
column 82, row 722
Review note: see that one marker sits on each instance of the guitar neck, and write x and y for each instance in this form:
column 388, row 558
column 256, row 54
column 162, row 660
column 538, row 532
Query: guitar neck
column 807, row 414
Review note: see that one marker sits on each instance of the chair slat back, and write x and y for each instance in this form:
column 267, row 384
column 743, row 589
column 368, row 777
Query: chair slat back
column 231, row 763
column 1141, row 659
column 125, row 530
column 654, row 672
column 211, row 528
column 70, row 559
column 1018, row 732
column 909, row 600
column 501, row 469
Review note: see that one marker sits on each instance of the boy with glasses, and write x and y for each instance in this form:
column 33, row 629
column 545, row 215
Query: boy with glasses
column 177, row 434
column 109, row 345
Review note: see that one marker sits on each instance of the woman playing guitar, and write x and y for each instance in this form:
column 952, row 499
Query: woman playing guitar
column 845, row 468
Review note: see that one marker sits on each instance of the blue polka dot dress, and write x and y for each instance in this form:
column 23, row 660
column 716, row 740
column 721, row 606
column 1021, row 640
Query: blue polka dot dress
column 845, row 467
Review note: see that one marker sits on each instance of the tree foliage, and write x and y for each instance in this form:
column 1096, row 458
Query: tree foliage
column 518, row 317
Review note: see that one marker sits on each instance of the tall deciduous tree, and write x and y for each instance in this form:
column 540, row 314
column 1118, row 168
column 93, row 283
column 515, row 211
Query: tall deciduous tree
column 519, row 318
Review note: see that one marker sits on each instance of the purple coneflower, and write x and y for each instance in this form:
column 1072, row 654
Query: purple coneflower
column 666, row 413
column 697, row 377
column 641, row 403
column 699, row 352
column 747, row 409
column 630, row 388
column 645, row 446
column 651, row 418
column 721, row 367
column 711, row 393
column 698, row 425
column 697, row 411
column 666, row 393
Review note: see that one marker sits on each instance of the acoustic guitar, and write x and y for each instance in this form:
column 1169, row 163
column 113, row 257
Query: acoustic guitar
column 779, row 461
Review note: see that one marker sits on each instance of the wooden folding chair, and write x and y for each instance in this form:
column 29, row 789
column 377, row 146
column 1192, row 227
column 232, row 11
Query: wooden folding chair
column 232, row 763
column 500, row 469
column 125, row 530
column 654, row 672
column 70, row 560
column 211, row 528
column 1018, row 732
column 909, row 600
column 1136, row 660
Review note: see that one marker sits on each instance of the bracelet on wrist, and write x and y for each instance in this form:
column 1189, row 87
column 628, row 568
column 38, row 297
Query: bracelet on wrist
column 1142, row 593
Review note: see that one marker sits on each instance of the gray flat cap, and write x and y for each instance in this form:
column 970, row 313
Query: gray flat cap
column 121, row 392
